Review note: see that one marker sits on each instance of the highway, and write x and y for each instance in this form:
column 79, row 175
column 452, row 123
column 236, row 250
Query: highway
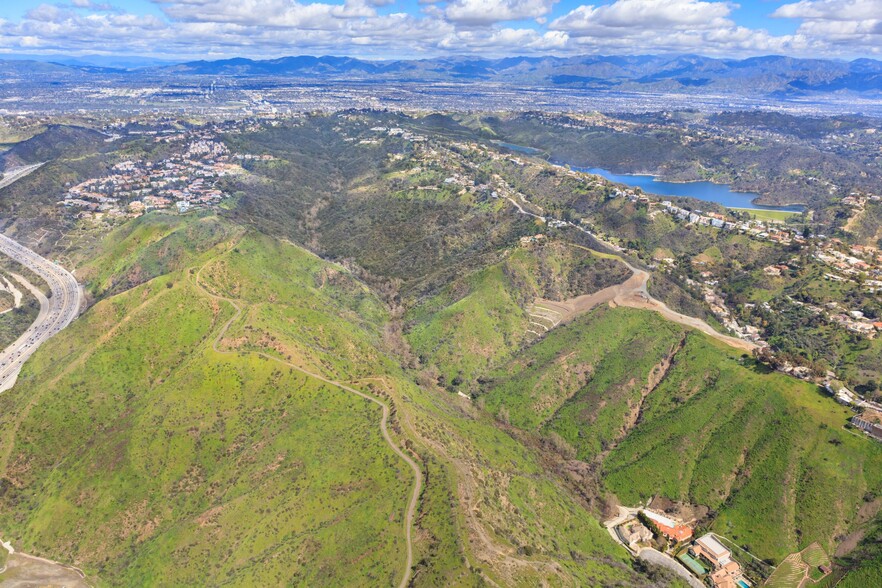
column 56, row 312
column 18, row 173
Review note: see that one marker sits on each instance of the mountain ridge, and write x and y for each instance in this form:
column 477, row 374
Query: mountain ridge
column 687, row 73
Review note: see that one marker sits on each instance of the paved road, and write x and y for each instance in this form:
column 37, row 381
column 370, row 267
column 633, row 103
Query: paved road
column 17, row 174
column 56, row 312
column 660, row 559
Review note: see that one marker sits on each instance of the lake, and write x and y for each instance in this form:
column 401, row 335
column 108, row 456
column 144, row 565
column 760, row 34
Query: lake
column 707, row 191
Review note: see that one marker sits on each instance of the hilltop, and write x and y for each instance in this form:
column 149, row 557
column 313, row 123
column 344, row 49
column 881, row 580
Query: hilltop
column 218, row 412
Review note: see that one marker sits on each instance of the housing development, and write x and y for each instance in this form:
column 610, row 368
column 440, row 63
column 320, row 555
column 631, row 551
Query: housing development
column 483, row 296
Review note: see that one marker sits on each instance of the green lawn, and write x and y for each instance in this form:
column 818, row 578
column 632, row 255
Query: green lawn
column 768, row 215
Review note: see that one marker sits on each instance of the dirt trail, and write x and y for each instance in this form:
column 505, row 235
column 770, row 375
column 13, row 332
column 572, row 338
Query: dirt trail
column 634, row 294
column 503, row 559
column 384, row 429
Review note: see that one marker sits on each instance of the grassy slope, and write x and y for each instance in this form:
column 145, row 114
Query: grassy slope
column 252, row 480
column 260, row 475
column 309, row 323
column 299, row 307
column 150, row 246
column 765, row 452
column 478, row 321
column 470, row 325
column 581, row 381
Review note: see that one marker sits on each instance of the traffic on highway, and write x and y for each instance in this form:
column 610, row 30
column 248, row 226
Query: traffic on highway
column 56, row 311
column 13, row 175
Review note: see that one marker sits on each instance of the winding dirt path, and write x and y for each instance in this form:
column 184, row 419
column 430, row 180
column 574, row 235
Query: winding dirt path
column 384, row 429
column 503, row 559
column 634, row 294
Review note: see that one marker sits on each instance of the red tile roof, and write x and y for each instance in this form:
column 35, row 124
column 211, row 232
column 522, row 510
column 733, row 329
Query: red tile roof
column 678, row 533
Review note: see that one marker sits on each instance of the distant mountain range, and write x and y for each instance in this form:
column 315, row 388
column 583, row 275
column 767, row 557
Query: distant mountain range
column 109, row 61
column 770, row 75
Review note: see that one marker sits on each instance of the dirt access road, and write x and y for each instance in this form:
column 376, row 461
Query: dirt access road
column 410, row 513
column 633, row 293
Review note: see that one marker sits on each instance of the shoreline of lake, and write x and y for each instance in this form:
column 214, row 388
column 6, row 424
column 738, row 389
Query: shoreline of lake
column 704, row 190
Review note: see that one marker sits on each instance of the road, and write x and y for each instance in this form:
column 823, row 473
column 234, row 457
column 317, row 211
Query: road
column 410, row 513
column 647, row 553
column 660, row 559
column 632, row 293
column 17, row 174
column 56, row 312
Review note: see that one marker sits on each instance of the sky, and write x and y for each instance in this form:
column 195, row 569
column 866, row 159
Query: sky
column 396, row 29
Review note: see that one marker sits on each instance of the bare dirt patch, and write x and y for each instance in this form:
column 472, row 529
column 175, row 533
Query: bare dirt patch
column 25, row 571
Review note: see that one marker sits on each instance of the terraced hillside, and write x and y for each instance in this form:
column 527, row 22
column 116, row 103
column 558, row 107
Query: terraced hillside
column 480, row 319
column 136, row 450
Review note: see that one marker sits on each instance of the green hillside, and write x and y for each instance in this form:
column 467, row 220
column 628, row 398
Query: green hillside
column 150, row 246
column 235, row 408
column 134, row 450
column 250, row 474
column 580, row 380
column 477, row 321
column 766, row 453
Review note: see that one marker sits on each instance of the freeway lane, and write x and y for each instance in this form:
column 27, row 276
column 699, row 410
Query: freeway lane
column 56, row 312
column 18, row 173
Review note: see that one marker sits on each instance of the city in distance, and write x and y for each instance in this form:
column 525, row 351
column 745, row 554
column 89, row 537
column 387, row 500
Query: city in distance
column 457, row 293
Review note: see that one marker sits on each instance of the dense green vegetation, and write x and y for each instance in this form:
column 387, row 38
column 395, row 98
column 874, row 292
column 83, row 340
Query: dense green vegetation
column 134, row 449
column 766, row 453
column 148, row 247
column 262, row 474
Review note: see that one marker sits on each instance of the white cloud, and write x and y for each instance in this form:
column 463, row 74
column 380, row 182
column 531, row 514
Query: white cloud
column 89, row 4
column 486, row 12
column 630, row 16
column 843, row 25
column 266, row 28
column 831, row 10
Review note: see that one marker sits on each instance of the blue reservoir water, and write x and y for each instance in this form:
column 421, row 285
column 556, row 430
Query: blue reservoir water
column 707, row 191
